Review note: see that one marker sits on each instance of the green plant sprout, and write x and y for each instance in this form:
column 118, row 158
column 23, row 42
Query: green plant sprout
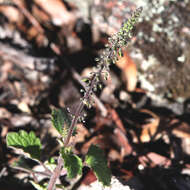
column 65, row 123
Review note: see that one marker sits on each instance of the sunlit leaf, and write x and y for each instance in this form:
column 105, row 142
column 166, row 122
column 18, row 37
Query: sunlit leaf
column 96, row 160
column 28, row 142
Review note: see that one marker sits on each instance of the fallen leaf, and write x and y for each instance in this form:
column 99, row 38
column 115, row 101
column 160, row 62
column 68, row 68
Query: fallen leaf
column 149, row 129
column 23, row 106
column 154, row 159
column 114, row 155
column 89, row 178
column 12, row 13
column 129, row 69
column 57, row 10
column 117, row 120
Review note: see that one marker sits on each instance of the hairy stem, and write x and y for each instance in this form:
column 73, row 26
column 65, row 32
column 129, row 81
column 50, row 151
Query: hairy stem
column 57, row 170
column 56, row 174
column 80, row 108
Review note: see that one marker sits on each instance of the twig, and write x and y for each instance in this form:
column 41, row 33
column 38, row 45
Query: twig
column 31, row 171
column 29, row 16
column 35, row 178
column 46, row 169
column 21, row 58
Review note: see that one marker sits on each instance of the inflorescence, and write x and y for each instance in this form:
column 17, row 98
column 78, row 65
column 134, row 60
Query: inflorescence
column 110, row 55
column 113, row 50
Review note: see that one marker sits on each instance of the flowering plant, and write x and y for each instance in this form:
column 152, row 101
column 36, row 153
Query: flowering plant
column 65, row 123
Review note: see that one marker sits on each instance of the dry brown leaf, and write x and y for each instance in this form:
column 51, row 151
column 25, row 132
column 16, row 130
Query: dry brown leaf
column 150, row 129
column 99, row 140
column 23, row 106
column 12, row 13
column 41, row 15
column 89, row 178
column 57, row 10
column 114, row 155
column 154, row 159
column 5, row 69
column 126, row 174
column 182, row 131
column 117, row 120
column 82, row 133
column 129, row 69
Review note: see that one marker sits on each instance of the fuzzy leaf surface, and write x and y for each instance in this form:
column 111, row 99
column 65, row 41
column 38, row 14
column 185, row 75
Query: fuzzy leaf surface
column 72, row 163
column 61, row 121
column 96, row 160
column 28, row 142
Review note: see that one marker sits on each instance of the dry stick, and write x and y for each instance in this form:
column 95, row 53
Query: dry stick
column 46, row 169
column 20, row 58
column 29, row 16
column 31, row 171
column 35, row 178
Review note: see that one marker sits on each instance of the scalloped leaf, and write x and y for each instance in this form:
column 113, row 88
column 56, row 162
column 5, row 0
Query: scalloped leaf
column 72, row 163
column 28, row 142
column 96, row 160
column 61, row 121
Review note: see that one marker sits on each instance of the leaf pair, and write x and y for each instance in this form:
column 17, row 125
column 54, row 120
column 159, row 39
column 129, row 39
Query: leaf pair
column 31, row 145
column 94, row 159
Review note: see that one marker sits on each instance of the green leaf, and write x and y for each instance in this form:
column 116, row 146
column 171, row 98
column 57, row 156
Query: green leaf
column 72, row 163
column 61, row 121
column 96, row 160
column 51, row 160
column 28, row 142
column 120, row 52
column 85, row 79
